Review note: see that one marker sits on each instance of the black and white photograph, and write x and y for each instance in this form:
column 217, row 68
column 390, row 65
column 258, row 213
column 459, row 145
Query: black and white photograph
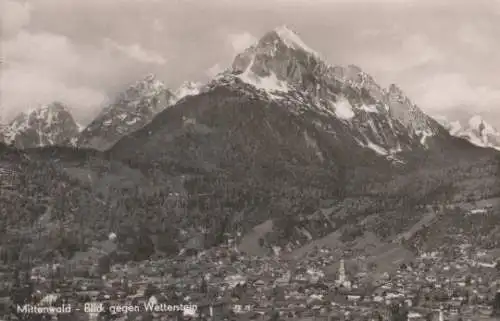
column 239, row 160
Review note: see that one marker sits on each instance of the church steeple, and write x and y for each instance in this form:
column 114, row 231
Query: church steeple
column 342, row 276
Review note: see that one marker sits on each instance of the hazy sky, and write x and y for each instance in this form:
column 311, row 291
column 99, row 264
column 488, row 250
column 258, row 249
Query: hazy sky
column 443, row 53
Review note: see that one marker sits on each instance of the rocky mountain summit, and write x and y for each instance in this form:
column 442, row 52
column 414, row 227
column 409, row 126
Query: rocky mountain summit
column 476, row 130
column 132, row 109
column 281, row 66
column 136, row 106
column 46, row 125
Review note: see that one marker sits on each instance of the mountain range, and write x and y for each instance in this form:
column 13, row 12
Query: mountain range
column 285, row 68
column 280, row 136
column 53, row 124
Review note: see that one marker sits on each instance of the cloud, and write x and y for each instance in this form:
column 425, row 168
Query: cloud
column 235, row 43
column 449, row 90
column 420, row 51
column 51, row 51
column 29, row 79
column 214, row 70
column 43, row 89
column 241, row 41
column 14, row 16
column 474, row 38
column 136, row 52
column 415, row 51
column 158, row 25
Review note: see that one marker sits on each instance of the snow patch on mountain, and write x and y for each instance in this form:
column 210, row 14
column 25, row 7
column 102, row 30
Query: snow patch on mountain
column 369, row 108
column 292, row 40
column 269, row 84
column 376, row 148
column 188, row 88
column 45, row 125
column 343, row 109
column 424, row 134
column 390, row 154
column 453, row 127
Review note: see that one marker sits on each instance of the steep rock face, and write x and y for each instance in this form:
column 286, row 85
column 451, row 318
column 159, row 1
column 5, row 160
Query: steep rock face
column 355, row 77
column 401, row 108
column 476, row 130
column 385, row 121
column 47, row 125
column 131, row 110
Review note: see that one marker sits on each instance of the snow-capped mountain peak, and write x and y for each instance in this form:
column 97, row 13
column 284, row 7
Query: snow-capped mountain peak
column 147, row 88
column 292, row 40
column 132, row 109
column 480, row 133
column 281, row 67
column 453, row 127
column 50, row 124
column 280, row 58
column 482, row 126
column 188, row 88
column 476, row 130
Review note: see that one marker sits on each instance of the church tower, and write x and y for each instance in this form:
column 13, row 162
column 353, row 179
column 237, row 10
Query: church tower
column 342, row 277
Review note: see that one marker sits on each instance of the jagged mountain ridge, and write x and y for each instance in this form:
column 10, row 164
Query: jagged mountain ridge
column 282, row 62
column 281, row 68
column 385, row 121
column 343, row 103
column 336, row 115
column 132, row 109
column 476, row 130
column 53, row 124
column 46, row 125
